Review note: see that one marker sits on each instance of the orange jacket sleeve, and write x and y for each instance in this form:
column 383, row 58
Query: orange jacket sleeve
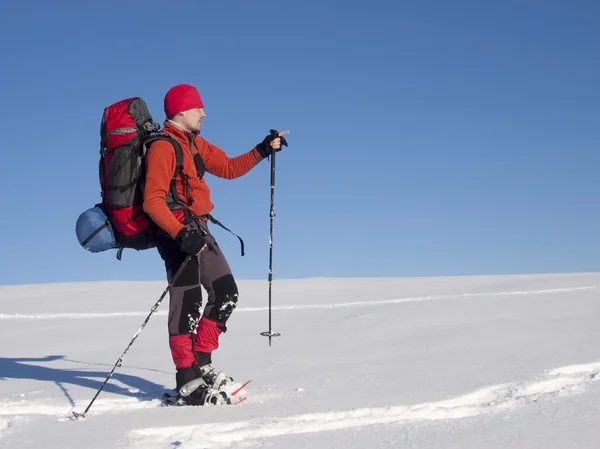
column 219, row 164
column 160, row 166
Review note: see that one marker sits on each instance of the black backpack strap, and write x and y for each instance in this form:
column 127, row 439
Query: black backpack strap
column 178, row 171
column 218, row 223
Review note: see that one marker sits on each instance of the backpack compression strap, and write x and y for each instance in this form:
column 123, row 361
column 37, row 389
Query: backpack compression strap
column 218, row 223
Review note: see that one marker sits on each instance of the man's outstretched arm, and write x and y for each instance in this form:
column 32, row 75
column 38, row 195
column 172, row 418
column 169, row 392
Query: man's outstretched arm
column 219, row 164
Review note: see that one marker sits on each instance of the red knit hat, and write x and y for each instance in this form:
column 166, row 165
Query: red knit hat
column 182, row 98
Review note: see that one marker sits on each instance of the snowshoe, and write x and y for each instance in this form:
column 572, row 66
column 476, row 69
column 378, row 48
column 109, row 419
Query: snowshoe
column 215, row 379
column 197, row 393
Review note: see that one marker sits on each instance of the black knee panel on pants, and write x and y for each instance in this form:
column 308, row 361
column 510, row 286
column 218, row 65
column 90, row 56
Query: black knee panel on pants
column 191, row 304
column 226, row 297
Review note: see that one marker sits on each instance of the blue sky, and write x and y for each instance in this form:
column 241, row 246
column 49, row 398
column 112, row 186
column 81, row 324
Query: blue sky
column 426, row 138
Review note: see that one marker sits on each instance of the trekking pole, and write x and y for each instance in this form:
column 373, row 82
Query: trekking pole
column 270, row 333
column 120, row 360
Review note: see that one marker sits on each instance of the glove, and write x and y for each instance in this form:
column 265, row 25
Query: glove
column 265, row 149
column 191, row 242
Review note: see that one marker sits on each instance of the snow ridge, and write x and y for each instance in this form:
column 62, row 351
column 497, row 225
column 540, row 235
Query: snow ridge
column 62, row 316
column 493, row 399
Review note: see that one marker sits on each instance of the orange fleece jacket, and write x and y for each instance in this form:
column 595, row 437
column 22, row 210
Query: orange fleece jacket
column 160, row 166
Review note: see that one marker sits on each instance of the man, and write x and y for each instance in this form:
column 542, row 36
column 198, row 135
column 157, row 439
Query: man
column 193, row 333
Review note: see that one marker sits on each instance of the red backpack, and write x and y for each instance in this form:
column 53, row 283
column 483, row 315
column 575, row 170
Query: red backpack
column 119, row 221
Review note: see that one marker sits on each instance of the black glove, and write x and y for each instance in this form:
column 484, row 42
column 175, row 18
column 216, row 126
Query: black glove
column 264, row 148
column 191, row 242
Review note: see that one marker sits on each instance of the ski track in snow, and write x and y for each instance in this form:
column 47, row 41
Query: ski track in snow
column 51, row 316
column 10, row 408
column 492, row 399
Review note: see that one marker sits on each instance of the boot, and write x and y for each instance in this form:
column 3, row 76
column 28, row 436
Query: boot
column 213, row 378
column 183, row 377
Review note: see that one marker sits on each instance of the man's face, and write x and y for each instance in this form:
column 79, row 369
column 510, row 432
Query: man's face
column 192, row 119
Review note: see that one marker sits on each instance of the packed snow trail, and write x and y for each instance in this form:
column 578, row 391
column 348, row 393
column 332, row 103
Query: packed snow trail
column 493, row 399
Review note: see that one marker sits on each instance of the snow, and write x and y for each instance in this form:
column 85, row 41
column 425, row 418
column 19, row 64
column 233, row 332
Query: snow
column 483, row 362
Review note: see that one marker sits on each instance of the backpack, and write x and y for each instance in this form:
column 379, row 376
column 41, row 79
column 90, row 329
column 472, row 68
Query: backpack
column 118, row 221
